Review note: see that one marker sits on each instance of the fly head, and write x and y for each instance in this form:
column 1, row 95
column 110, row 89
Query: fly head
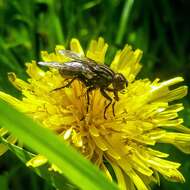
column 119, row 82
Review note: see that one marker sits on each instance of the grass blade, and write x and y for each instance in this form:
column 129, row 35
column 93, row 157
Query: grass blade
column 124, row 20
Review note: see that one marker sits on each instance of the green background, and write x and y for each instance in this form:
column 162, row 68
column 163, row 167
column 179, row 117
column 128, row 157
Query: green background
column 160, row 28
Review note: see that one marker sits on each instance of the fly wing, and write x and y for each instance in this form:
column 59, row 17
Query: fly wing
column 72, row 68
column 74, row 56
column 69, row 54
column 93, row 67
column 79, row 68
column 52, row 64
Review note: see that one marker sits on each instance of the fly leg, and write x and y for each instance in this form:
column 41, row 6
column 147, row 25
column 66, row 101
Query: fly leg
column 115, row 93
column 115, row 97
column 88, row 97
column 108, row 98
column 65, row 86
column 113, row 109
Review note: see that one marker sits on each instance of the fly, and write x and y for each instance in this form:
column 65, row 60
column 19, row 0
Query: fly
column 91, row 74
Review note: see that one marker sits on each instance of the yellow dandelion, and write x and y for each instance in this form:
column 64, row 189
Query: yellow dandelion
column 125, row 142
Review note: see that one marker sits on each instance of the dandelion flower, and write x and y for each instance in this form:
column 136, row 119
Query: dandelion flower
column 144, row 116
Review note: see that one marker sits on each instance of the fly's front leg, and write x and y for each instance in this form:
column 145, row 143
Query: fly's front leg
column 113, row 109
column 107, row 97
column 116, row 97
column 88, row 96
column 65, row 86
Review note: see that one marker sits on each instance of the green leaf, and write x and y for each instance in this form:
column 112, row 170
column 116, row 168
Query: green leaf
column 73, row 165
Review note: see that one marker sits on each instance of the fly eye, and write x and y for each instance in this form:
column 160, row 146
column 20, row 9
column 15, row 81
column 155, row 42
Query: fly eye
column 120, row 79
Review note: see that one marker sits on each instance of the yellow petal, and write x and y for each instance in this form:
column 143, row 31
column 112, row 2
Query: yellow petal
column 120, row 177
column 97, row 50
column 37, row 161
column 127, row 62
column 55, row 169
column 3, row 131
column 76, row 47
column 105, row 169
column 10, row 99
column 18, row 83
column 34, row 71
column 3, row 149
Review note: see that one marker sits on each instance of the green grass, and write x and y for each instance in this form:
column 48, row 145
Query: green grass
column 160, row 28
